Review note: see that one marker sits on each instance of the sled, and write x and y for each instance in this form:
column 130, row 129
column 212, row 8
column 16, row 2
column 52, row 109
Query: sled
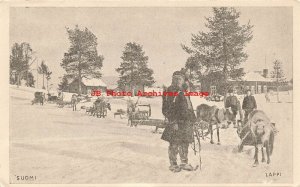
column 246, row 136
column 100, row 109
column 38, row 98
column 135, row 116
column 203, row 128
column 150, row 122
column 119, row 112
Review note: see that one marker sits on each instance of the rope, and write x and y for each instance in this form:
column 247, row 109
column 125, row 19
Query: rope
column 197, row 136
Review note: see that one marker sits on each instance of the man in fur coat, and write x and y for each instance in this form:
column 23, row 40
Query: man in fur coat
column 180, row 115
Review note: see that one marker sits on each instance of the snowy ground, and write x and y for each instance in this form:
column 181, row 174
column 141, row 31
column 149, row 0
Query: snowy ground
column 58, row 145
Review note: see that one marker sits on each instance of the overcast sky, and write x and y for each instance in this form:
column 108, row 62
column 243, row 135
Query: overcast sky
column 159, row 30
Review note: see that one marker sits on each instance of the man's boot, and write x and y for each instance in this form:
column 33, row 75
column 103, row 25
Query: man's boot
column 187, row 167
column 173, row 151
column 183, row 152
column 174, row 168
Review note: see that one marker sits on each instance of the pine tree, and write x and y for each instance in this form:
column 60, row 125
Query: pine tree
column 63, row 85
column 21, row 55
column 192, row 67
column 43, row 69
column 278, row 75
column 134, row 70
column 30, row 79
column 82, row 59
column 220, row 50
column 48, row 77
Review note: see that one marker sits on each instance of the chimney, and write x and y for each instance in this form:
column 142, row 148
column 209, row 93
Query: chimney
column 265, row 73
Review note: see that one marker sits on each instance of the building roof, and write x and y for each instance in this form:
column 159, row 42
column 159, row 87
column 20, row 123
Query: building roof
column 93, row 82
column 111, row 81
column 255, row 76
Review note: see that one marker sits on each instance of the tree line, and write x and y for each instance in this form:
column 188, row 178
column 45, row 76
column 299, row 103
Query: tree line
column 21, row 62
column 215, row 57
column 82, row 60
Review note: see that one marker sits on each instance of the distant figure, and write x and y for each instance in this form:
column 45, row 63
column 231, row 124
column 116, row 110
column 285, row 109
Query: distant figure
column 74, row 101
column 99, row 99
column 233, row 104
column 239, row 109
column 131, row 105
column 48, row 96
column 61, row 96
column 44, row 98
column 249, row 104
column 267, row 96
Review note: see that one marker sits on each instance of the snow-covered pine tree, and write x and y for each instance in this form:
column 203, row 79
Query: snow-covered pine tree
column 216, row 55
column 134, row 70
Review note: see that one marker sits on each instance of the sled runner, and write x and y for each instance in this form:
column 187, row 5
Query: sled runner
column 159, row 123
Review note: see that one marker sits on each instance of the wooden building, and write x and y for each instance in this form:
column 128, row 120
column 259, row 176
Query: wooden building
column 254, row 81
column 257, row 81
column 87, row 85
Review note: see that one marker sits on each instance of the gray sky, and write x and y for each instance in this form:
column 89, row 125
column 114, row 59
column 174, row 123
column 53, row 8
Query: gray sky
column 159, row 30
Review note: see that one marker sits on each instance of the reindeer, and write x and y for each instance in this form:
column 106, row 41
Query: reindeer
column 258, row 130
column 212, row 116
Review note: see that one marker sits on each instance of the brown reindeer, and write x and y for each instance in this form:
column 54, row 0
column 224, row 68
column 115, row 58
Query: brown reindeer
column 213, row 116
column 100, row 108
column 260, row 132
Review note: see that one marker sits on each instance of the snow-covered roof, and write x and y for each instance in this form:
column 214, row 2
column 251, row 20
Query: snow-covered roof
column 255, row 76
column 93, row 82
column 111, row 81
